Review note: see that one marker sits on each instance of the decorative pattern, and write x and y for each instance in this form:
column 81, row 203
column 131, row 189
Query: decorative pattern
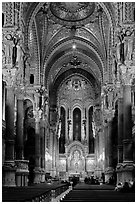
column 75, row 88
column 74, row 11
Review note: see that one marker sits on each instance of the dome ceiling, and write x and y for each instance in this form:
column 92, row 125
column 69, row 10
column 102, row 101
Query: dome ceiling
column 71, row 12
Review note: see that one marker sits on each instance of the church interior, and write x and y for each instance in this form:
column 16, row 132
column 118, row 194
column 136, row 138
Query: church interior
column 68, row 91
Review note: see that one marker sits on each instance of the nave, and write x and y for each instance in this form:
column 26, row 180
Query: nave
column 81, row 192
column 68, row 94
column 85, row 193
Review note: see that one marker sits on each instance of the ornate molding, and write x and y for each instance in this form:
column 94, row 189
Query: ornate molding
column 127, row 74
column 62, row 65
column 22, row 166
column 125, row 167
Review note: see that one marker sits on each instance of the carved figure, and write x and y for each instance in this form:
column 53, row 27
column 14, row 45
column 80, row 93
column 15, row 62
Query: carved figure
column 125, row 45
column 14, row 50
column 120, row 47
column 128, row 44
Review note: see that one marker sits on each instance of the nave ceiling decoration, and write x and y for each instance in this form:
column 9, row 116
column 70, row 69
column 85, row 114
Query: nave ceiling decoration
column 91, row 36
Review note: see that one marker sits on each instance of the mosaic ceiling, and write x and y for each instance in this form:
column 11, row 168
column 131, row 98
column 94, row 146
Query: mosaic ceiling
column 71, row 12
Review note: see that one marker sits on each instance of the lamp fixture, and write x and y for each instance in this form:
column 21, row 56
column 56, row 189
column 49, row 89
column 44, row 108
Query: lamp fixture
column 74, row 46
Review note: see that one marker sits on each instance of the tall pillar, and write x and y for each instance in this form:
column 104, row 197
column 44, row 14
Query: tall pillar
column 127, row 142
column 22, row 165
column 9, row 164
column 57, row 156
column 109, row 169
column 19, row 130
column 97, row 154
column 43, row 154
column 120, row 139
column 37, row 170
column 106, row 144
column 53, row 170
column 128, row 166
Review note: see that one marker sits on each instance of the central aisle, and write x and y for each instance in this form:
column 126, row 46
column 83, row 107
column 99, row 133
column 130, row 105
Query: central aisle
column 97, row 193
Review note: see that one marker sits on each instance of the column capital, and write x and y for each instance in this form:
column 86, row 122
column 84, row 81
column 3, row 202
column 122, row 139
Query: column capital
column 19, row 92
column 9, row 76
column 37, row 115
column 108, row 115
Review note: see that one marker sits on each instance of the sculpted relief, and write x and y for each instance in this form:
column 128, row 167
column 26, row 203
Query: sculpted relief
column 76, row 162
column 75, row 88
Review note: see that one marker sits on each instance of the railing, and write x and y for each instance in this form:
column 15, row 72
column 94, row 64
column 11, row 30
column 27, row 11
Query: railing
column 58, row 193
column 41, row 198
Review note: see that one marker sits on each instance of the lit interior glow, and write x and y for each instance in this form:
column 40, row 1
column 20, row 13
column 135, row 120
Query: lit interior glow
column 74, row 46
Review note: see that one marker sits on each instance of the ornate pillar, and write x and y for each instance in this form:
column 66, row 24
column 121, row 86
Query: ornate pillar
column 37, row 170
column 39, row 113
column 127, row 142
column 43, row 145
column 53, row 141
column 97, row 154
column 9, row 168
column 127, row 167
column 108, row 111
column 109, row 168
column 120, row 139
column 106, row 144
column 57, row 155
column 19, row 129
column 22, row 165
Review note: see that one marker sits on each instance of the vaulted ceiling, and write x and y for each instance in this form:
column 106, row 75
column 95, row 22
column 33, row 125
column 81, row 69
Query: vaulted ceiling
column 63, row 36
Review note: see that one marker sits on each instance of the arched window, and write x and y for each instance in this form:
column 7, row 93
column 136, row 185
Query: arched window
column 31, row 79
column 3, row 19
column 91, row 138
column 77, row 124
column 63, row 128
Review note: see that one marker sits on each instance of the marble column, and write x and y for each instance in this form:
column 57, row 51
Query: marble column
column 57, row 156
column 9, row 164
column 120, row 130
column 110, row 145
column 22, row 165
column 120, row 139
column 43, row 154
column 106, row 144
column 97, row 154
column 128, row 166
column 127, row 142
column 37, row 170
column 109, row 168
column 53, row 170
column 19, row 130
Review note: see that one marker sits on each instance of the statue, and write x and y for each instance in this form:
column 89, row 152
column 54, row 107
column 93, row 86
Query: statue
column 115, row 66
column 14, row 50
column 128, row 44
column 124, row 48
column 26, row 62
column 120, row 47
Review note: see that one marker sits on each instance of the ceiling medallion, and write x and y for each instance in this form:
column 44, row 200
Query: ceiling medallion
column 75, row 62
column 70, row 13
